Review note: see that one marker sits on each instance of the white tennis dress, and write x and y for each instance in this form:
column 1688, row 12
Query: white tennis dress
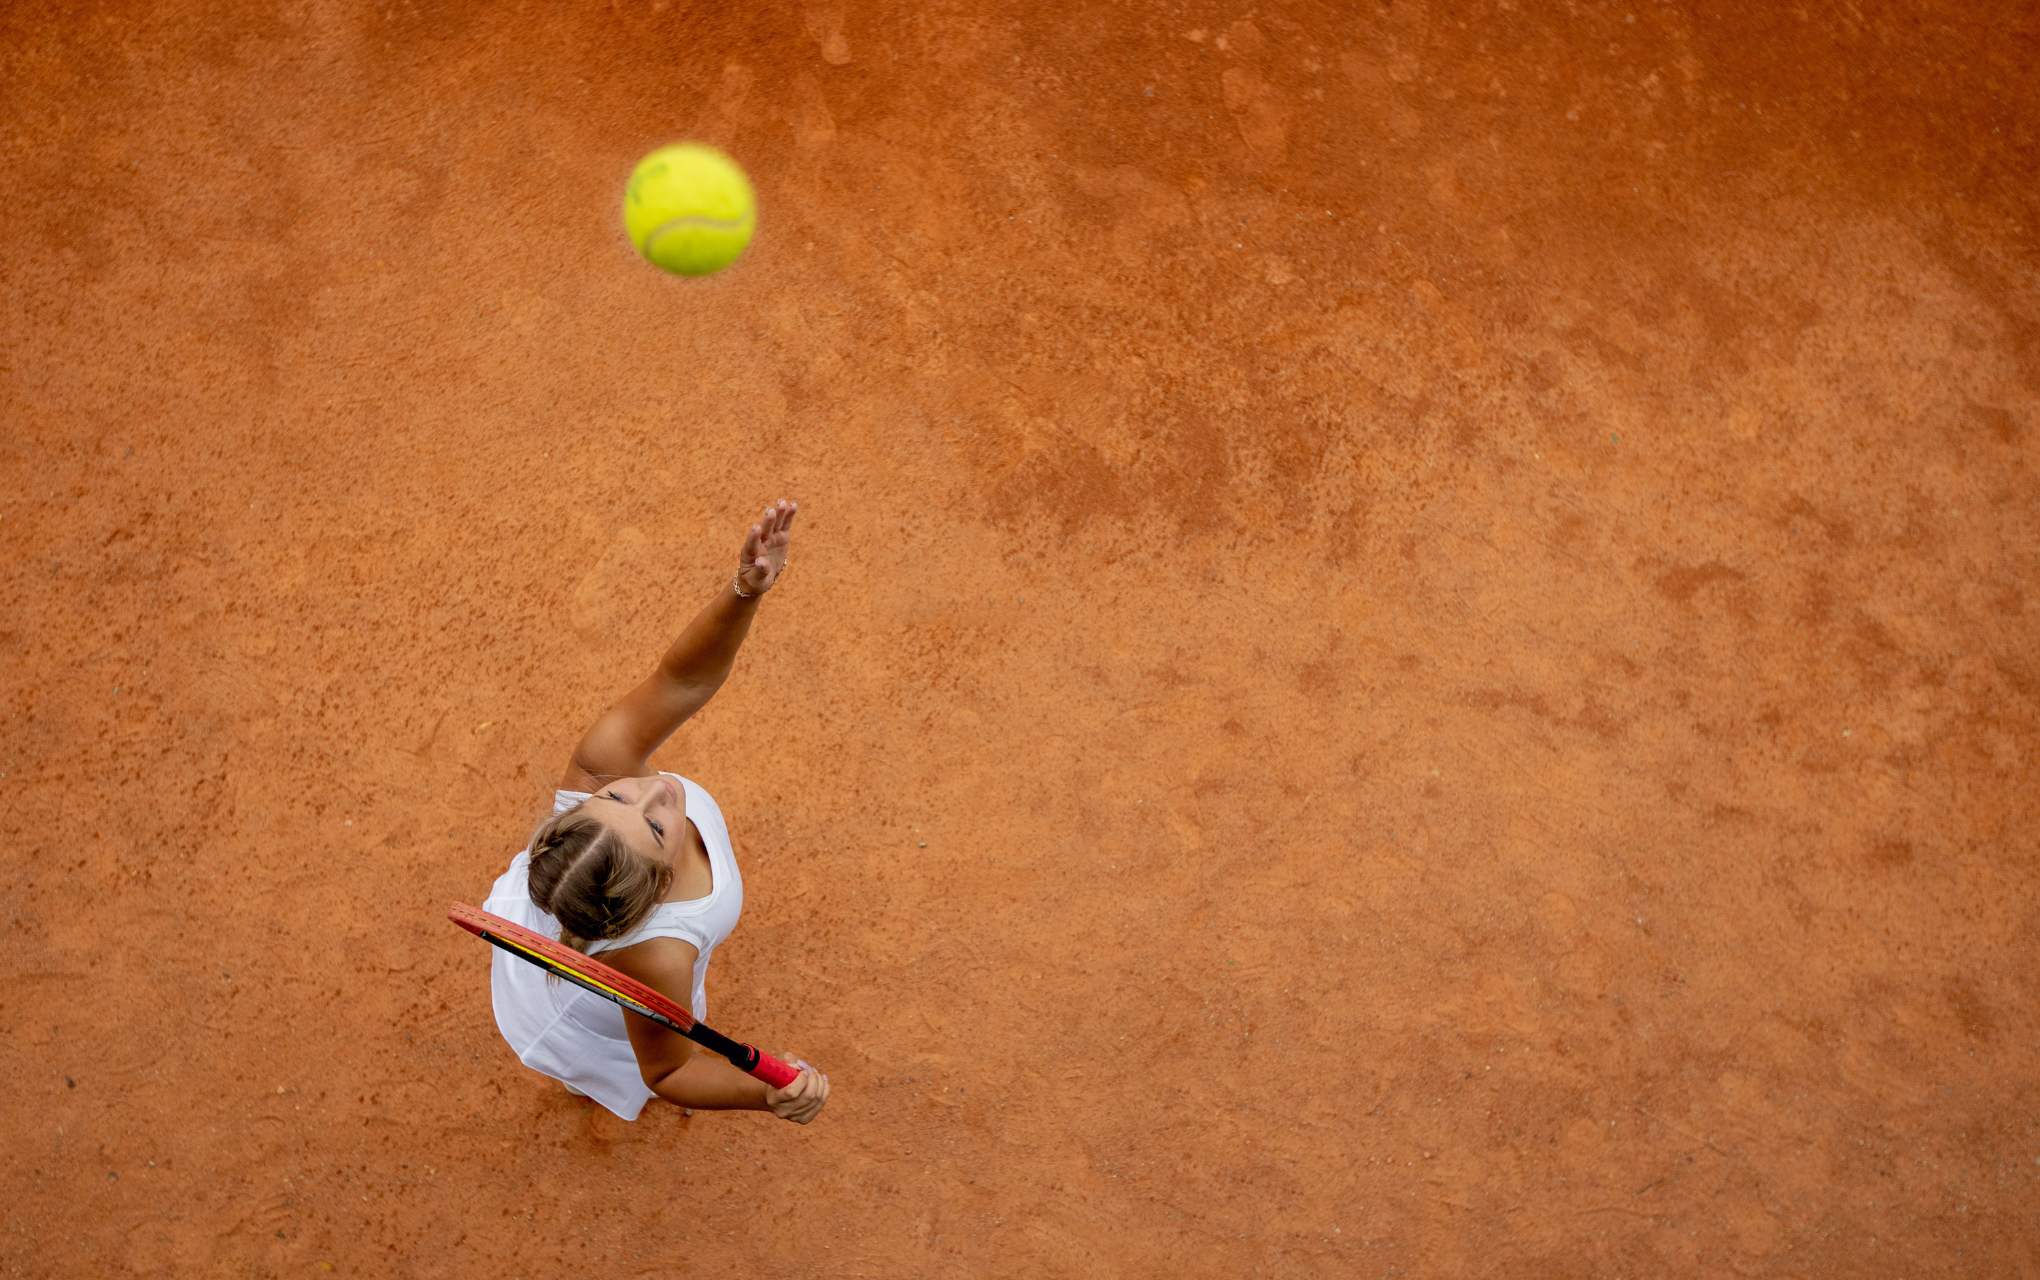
column 575, row 1036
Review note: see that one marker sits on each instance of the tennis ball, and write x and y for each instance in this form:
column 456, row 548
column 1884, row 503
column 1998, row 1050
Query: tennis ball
column 689, row 209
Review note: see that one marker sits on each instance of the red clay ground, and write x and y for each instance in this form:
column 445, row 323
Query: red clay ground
column 1451, row 591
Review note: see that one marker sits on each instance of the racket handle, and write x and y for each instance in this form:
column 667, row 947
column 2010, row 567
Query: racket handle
column 772, row 1071
column 748, row 1058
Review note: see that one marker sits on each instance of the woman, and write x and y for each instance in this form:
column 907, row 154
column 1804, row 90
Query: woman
column 637, row 867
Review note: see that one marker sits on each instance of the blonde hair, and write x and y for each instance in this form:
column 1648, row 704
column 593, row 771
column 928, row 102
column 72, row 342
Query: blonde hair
column 584, row 876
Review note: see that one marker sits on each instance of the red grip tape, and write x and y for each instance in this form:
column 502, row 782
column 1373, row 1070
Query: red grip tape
column 774, row 1072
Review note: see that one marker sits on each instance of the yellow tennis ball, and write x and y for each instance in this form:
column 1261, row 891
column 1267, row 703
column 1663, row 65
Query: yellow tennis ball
column 689, row 209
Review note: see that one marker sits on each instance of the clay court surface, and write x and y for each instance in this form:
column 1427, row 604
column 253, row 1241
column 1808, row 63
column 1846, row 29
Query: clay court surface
column 1413, row 647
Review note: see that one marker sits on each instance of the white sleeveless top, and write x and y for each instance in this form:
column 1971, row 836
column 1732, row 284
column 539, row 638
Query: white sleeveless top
column 575, row 1036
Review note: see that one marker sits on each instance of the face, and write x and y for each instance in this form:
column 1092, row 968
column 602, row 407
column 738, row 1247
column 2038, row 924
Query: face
column 645, row 813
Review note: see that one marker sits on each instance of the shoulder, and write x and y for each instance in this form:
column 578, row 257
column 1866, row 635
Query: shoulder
column 665, row 964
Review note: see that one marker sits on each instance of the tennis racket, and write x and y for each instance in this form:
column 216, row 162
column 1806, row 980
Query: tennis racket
column 592, row 975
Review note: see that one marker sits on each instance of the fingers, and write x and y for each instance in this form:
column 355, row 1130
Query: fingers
column 764, row 553
column 772, row 521
column 799, row 1083
column 814, row 1091
column 800, row 1101
column 817, row 1097
column 778, row 516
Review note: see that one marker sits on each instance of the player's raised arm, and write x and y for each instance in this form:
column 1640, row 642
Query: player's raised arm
column 620, row 743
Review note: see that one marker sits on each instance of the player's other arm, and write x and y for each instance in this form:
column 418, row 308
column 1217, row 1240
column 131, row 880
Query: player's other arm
column 620, row 743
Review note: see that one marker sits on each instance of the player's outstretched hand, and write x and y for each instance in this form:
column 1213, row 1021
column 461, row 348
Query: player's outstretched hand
column 802, row 1100
column 763, row 558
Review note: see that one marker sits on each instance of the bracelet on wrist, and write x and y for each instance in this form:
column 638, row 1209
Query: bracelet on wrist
column 737, row 585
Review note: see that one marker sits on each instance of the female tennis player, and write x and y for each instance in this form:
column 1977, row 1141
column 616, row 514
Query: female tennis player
column 636, row 866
